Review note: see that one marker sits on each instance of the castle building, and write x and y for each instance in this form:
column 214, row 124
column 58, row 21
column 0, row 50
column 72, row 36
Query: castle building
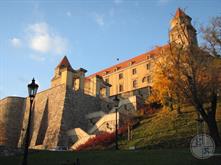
column 76, row 104
column 75, row 79
column 134, row 76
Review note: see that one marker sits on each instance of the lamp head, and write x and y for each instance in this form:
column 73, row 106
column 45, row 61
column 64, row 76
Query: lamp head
column 32, row 88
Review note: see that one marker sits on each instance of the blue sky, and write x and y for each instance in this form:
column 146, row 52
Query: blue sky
column 35, row 35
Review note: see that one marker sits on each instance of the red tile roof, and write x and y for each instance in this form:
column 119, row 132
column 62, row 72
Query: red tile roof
column 180, row 13
column 127, row 63
column 64, row 64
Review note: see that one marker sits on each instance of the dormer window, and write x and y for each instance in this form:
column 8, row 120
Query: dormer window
column 131, row 63
column 151, row 56
column 117, row 68
column 106, row 72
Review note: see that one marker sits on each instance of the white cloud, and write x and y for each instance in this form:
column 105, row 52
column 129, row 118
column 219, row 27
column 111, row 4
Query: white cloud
column 16, row 42
column 99, row 19
column 41, row 38
column 40, row 43
column 68, row 13
column 39, row 28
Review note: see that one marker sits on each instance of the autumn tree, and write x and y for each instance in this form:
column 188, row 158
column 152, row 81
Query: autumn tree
column 186, row 73
column 164, row 90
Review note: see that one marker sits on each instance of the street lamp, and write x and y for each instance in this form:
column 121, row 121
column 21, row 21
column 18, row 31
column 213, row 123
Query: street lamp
column 116, row 104
column 32, row 91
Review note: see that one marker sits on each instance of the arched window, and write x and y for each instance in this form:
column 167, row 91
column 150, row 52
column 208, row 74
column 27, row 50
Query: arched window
column 144, row 79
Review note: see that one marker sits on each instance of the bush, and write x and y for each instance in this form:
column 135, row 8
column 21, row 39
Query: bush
column 101, row 141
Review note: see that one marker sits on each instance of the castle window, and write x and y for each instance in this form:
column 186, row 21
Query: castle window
column 148, row 66
column 134, row 71
column 144, row 79
column 149, row 79
column 121, row 88
column 120, row 76
column 134, row 83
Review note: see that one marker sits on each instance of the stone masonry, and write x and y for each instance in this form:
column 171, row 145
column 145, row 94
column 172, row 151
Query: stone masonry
column 55, row 111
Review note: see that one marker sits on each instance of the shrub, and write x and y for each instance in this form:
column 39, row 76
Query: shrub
column 102, row 140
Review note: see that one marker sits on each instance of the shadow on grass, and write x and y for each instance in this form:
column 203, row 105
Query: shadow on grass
column 122, row 157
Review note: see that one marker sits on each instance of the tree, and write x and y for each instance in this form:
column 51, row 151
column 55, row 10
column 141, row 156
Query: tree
column 212, row 36
column 164, row 90
column 186, row 73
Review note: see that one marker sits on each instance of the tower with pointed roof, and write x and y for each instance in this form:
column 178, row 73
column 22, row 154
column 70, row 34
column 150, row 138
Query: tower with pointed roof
column 65, row 74
column 181, row 29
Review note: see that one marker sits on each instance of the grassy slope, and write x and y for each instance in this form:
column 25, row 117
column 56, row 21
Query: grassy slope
column 167, row 129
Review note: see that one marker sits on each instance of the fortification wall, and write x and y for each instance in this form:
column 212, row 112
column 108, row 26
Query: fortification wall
column 55, row 111
column 46, row 117
column 76, row 108
column 11, row 116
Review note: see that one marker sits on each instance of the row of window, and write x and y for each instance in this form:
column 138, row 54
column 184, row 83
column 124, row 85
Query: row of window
column 130, row 64
column 134, row 71
column 135, row 83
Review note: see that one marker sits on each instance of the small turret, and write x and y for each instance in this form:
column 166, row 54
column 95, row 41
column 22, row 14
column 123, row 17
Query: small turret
column 63, row 74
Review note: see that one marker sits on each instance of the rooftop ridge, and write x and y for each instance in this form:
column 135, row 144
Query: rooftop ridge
column 124, row 64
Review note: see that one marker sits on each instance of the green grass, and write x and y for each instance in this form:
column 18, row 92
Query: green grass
column 167, row 129
column 138, row 157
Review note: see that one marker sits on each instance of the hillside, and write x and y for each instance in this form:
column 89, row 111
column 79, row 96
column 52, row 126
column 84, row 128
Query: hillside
column 166, row 129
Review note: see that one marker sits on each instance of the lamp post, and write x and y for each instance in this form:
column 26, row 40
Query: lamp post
column 32, row 90
column 116, row 102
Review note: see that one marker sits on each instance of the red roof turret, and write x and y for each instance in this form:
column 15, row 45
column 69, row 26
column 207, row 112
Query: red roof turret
column 64, row 64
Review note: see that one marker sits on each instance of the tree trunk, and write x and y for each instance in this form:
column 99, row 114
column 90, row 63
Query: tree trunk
column 213, row 130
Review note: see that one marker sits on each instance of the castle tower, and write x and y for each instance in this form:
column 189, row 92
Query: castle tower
column 63, row 74
column 181, row 29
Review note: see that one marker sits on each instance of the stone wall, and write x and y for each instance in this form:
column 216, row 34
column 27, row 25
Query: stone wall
column 46, row 117
column 55, row 112
column 76, row 108
column 11, row 116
